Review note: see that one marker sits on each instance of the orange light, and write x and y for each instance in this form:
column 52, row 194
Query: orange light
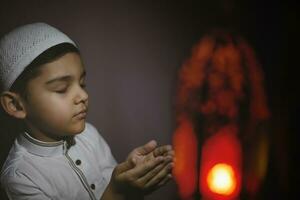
column 221, row 179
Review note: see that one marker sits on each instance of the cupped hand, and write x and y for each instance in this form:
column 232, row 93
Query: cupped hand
column 150, row 151
column 146, row 169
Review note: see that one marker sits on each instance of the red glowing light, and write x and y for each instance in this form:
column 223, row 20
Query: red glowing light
column 221, row 161
column 185, row 170
column 221, row 179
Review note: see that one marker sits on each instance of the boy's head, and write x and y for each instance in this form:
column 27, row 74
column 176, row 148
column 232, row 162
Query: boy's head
column 42, row 79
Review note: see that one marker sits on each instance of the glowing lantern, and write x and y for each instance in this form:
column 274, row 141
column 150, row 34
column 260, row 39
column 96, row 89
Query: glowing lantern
column 220, row 106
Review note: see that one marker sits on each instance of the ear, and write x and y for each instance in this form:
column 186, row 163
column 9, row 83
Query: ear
column 12, row 104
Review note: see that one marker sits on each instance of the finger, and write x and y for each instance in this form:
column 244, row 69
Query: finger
column 144, row 179
column 146, row 148
column 160, row 151
column 147, row 177
column 125, row 166
column 169, row 153
column 160, row 176
column 160, row 184
column 142, row 169
column 165, row 180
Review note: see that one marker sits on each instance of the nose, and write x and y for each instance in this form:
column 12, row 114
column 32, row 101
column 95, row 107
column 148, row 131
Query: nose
column 81, row 96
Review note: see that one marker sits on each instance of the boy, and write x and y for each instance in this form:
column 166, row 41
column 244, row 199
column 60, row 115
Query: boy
column 58, row 155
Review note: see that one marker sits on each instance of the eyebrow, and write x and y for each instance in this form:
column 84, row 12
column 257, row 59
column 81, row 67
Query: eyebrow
column 65, row 78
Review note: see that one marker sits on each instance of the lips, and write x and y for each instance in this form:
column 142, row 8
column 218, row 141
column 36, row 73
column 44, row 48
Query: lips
column 81, row 115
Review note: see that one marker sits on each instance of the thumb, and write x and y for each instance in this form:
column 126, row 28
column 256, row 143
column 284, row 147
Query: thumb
column 125, row 166
column 146, row 148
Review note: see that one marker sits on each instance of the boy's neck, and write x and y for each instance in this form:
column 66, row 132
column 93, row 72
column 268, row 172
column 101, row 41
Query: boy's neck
column 41, row 136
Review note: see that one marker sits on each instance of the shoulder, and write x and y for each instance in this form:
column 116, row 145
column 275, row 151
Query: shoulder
column 20, row 184
column 16, row 168
column 14, row 160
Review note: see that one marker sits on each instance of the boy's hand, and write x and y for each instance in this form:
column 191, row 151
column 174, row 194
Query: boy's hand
column 149, row 151
column 162, row 172
column 146, row 169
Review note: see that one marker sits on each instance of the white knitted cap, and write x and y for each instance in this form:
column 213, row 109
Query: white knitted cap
column 22, row 45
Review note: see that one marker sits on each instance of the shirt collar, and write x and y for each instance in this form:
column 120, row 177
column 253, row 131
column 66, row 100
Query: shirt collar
column 40, row 148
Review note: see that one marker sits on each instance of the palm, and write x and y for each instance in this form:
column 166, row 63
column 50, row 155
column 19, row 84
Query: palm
column 139, row 158
column 148, row 152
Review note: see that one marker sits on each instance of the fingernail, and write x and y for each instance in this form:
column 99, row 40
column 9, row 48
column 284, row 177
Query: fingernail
column 153, row 141
column 168, row 158
column 159, row 158
column 169, row 147
column 171, row 165
column 133, row 161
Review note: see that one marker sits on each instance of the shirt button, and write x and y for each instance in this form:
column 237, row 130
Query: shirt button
column 93, row 186
column 78, row 162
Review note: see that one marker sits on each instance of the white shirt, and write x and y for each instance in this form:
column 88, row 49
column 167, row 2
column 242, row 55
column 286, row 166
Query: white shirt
column 38, row 170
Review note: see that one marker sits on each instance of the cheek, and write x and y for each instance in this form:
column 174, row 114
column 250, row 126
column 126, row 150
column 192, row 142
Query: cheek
column 52, row 108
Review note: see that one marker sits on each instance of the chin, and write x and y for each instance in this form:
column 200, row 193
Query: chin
column 78, row 128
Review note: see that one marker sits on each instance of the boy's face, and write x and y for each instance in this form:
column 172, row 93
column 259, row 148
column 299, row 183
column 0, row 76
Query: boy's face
column 57, row 102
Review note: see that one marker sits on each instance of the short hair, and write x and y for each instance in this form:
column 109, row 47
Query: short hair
column 33, row 69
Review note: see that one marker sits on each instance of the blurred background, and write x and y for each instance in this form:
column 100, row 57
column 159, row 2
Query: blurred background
column 133, row 51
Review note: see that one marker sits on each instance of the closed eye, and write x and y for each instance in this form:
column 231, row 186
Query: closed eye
column 61, row 91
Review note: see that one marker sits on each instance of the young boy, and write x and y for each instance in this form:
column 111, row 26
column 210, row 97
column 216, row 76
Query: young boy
column 58, row 155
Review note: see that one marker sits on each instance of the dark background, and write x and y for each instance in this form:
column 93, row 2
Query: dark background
column 133, row 49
